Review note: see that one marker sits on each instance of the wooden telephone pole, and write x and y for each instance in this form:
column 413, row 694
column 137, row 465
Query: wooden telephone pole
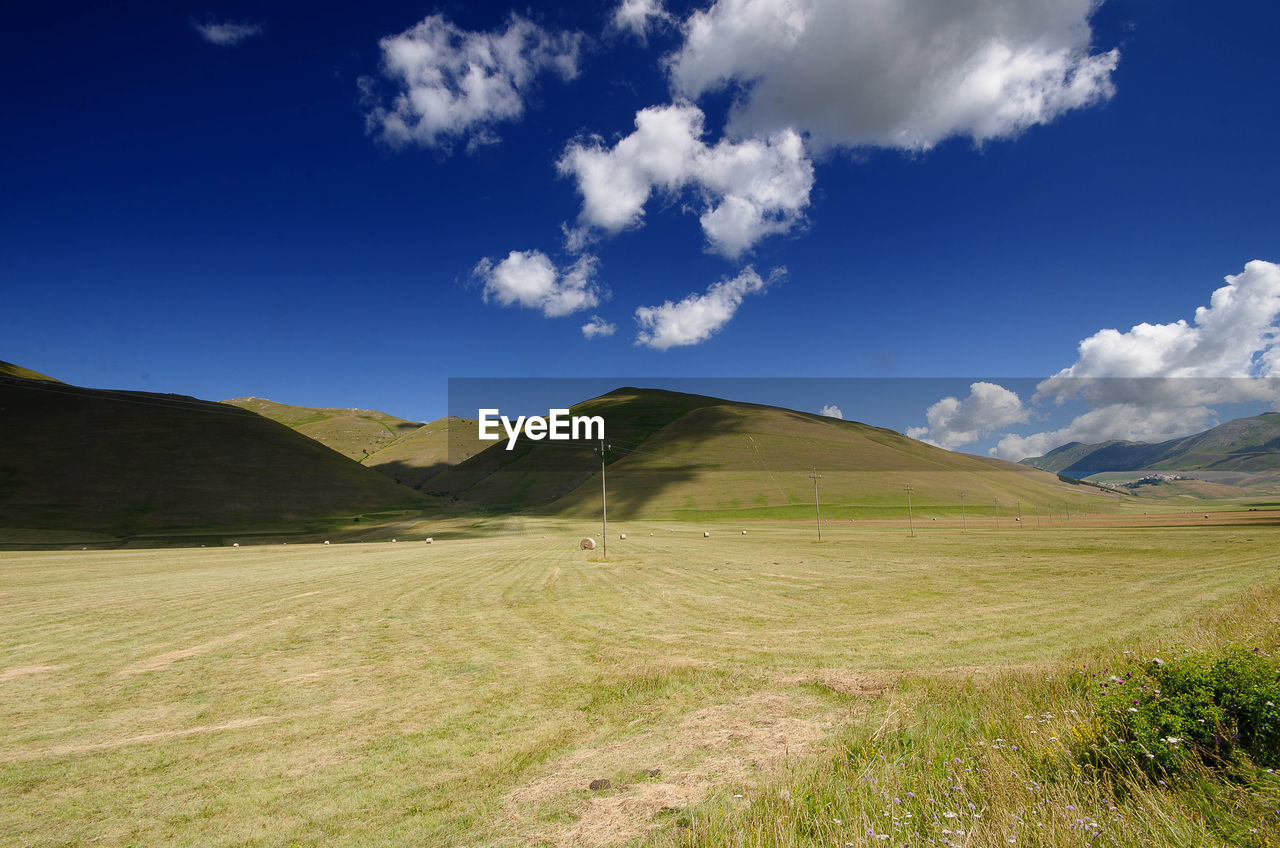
column 604, row 506
column 817, row 509
column 911, row 522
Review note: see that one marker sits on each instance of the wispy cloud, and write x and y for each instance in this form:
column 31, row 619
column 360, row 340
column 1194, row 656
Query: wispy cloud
column 831, row 411
column 597, row 327
column 457, row 84
column 699, row 316
column 226, row 33
column 531, row 280
column 640, row 17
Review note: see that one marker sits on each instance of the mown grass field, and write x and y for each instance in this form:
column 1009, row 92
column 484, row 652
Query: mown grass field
column 468, row 692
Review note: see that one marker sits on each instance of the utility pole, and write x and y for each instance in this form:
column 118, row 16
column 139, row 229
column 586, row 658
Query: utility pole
column 1019, row 515
column 1037, row 506
column 964, row 522
column 604, row 506
column 816, row 509
column 910, row 520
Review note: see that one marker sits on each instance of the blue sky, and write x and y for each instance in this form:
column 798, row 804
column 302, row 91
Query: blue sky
column 217, row 200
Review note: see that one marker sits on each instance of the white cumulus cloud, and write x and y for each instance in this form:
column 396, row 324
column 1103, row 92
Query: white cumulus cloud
column 747, row 189
column 639, row 17
column 1155, row 382
column 530, row 279
column 1218, row 355
column 1150, row 383
column 597, row 327
column 831, row 411
column 954, row 422
column 860, row 73
column 698, row 316
column 225, row 33
column 453, row 83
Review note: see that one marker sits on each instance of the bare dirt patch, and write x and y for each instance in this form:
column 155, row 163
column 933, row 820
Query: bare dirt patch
column 846, row 681
column 722, row 747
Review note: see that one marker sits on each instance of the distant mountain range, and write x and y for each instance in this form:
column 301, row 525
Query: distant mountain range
column 1248, row 445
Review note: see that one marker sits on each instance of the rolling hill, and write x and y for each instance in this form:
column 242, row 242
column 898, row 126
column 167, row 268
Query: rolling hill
column 415, row 459
column 119, row 464
column 679, row 455
column 1243, row 445
column 354, row 433
column 8, row 369
column 406, row 451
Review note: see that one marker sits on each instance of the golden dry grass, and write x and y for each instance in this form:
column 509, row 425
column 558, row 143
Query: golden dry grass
column 467, row 692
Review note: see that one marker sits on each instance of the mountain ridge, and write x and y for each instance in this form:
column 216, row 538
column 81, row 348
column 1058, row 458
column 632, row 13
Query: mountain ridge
column 1250, row 444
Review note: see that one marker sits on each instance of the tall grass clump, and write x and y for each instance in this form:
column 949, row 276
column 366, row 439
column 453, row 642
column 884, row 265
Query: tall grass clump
column 1173, row 743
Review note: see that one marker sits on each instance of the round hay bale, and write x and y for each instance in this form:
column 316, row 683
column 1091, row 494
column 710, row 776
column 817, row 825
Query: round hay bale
column 237, row 544
column 744, row 532
column 428, row 540
column 706, row 534
column 622, row 535
column 326, row 541
column 588, row 544
column 393, row 540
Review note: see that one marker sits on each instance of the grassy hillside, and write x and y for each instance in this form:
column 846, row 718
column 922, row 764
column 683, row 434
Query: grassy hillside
column 416, row 458
column 679, row 455
column 121, row 464
column 354, row 433
column 8, row 369
column 1249, row 445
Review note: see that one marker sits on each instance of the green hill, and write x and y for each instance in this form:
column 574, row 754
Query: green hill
column 123, row 464
column 1250, row 445
column 8, row 369
column 354, row 433
column 680, row 455
column 415, row 459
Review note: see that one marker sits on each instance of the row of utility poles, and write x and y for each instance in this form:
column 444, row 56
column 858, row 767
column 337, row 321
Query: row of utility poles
column 911, row 523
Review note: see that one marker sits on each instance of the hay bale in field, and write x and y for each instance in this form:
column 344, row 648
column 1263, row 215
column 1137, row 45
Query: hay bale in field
column 622, row 535
column 428, row 540
column 326, row 541
column 706, row 534
column 237, row 544
column 744, row 532
column 588, row 544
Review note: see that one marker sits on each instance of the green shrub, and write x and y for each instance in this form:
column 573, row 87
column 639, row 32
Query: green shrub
column 1220, row 708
